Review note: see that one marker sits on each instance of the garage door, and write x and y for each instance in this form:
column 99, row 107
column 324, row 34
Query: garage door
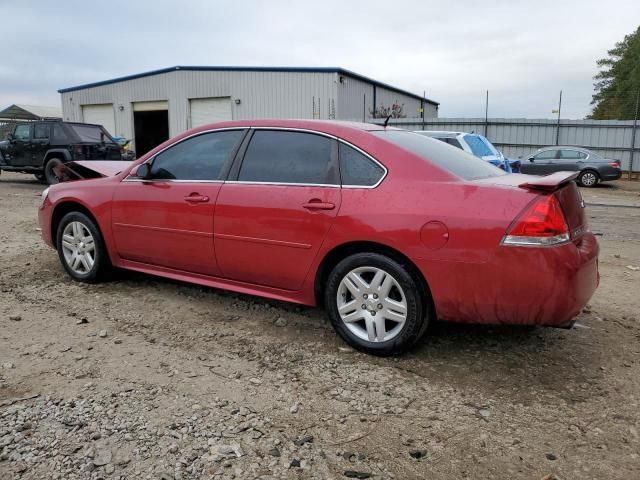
column 100, row 115
column 209, row 110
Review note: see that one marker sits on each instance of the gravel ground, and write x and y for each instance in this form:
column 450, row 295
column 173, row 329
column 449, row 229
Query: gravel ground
column 142, row 377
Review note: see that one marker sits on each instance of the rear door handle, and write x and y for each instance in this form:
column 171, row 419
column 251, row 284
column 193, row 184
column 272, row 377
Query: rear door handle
column 195, row 198
column 317, row 205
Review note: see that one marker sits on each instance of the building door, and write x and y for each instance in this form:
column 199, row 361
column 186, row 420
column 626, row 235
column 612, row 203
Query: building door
column 100, row 115
column 150, row 125
column 209, row 110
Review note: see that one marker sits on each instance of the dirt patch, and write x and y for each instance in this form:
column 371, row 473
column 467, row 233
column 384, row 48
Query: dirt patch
column 146, row 378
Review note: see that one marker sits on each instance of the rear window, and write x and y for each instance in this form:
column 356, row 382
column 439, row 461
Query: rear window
column 456, row 161
column 91, row 133
column 480, row 146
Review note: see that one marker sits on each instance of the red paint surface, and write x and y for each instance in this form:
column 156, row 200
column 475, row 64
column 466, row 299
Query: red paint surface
column 265, row 240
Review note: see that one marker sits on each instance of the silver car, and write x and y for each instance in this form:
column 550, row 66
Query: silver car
column 592, row 167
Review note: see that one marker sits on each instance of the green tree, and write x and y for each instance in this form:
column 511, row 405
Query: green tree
column 618, row 81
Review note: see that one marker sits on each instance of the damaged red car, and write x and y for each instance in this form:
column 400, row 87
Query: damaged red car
column 389, row 230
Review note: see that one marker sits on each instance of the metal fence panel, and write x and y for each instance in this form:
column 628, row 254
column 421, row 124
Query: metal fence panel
column 518, row 137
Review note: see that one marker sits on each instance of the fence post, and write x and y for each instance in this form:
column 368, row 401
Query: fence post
column 486, row 114
column 558, row 124
column 364, row 107
column 424, row 107
column 633, row 137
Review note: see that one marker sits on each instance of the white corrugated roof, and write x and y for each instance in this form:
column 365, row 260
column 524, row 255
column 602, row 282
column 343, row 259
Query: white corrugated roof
column 30, row 112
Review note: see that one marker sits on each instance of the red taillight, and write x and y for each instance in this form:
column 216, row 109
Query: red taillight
column 542, row 223
column 615, row 164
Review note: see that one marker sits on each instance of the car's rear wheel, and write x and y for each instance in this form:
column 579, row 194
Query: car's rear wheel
column 81, row 248
column 50, row 174
column 375, row 304
column 588, row 178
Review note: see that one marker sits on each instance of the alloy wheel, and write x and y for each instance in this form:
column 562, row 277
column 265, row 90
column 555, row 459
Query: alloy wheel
column 372, row 304
column 78, row 248
column 588, row 179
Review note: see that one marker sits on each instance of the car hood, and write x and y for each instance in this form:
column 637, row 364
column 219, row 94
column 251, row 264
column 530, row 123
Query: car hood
column 86, row 169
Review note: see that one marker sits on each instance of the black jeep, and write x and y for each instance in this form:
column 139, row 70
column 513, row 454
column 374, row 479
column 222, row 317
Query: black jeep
column 40, row 147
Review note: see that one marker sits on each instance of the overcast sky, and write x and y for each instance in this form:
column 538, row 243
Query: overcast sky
column 523, row 52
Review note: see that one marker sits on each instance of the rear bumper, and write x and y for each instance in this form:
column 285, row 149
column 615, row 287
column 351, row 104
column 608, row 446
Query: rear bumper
column 520, row 285
column 611, row 175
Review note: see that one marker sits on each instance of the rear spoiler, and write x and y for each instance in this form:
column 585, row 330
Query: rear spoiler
column 550, row 182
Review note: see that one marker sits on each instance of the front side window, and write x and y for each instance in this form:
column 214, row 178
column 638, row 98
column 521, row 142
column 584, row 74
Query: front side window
column 572, row 155
column 275, row 156
column 356, row 169
column 546, row 155
column 22, row 132
column 197, row 158
column 41, row 131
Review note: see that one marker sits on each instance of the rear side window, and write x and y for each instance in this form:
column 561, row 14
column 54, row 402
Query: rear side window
column 458, row 162
column 356, row 169
column 289, row 157
column 196, row 158
column 572, row 155
column 91, row 133
column 451, row 141
column 59, row 136
column 41, row 131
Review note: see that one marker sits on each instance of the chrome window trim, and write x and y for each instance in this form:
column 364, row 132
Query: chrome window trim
column 162, row 180
column 129, row 178
column 284, row 184
column 294, row 129
column 213, row 130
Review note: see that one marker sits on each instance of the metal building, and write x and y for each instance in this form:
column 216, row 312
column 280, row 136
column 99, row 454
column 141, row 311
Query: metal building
column 150, row 107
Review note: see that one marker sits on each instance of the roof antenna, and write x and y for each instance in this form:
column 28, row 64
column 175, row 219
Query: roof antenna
column 386, row 121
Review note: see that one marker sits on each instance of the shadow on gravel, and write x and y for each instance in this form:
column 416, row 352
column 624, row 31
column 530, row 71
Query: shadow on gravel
column 523, row 361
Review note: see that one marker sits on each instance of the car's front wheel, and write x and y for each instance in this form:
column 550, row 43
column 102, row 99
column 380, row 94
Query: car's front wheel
column 81, row 248
column 588, row 178
column 375, row 304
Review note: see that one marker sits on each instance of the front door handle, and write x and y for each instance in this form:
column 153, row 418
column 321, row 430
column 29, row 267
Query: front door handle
column 318, row 205
column 196, row 198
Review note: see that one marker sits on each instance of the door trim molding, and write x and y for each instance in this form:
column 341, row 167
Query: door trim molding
column 266, row 241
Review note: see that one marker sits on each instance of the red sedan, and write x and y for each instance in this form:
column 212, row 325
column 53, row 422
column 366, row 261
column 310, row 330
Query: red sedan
column 388, row 229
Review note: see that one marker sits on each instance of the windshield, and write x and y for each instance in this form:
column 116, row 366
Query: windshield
column 480, row 146
column 91, row 133
column 456, row 161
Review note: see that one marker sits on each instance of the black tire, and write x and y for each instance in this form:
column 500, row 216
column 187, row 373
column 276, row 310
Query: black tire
column 588, row 178
column 101, row 264
column 49, row 173
column 416, row 297
column 40, row 177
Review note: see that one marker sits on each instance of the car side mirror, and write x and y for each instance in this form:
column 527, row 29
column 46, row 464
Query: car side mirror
column 143, row 171
column 531, row 159
column 10, row 137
